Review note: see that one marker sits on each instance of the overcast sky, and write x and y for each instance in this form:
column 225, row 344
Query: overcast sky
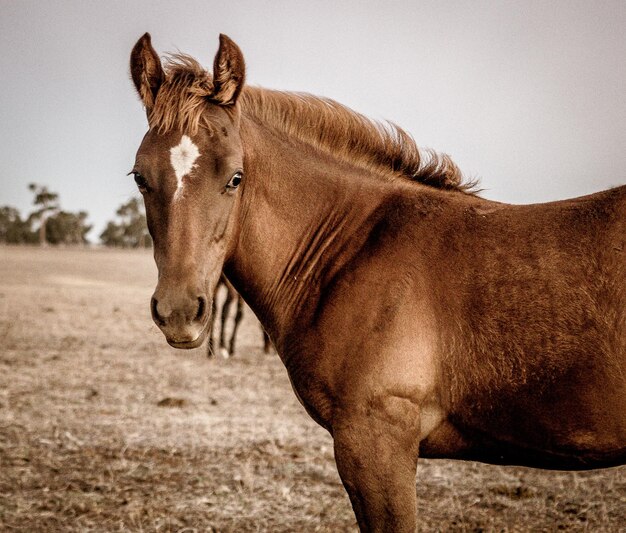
column 527, row 95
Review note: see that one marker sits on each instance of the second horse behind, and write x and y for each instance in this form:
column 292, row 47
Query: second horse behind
column 227, row 349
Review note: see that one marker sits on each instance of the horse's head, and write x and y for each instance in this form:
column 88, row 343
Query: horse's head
column 189, row 168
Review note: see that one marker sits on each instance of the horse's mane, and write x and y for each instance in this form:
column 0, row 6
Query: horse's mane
column 321, row 122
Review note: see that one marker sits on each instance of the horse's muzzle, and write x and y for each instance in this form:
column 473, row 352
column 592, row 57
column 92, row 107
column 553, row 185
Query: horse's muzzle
column 183, row 319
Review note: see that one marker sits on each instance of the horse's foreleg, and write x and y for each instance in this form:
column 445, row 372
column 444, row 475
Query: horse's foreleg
column 377, row 462
column 238, row 317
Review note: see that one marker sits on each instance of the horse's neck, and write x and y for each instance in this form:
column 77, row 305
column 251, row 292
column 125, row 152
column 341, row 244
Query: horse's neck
column 302, row 216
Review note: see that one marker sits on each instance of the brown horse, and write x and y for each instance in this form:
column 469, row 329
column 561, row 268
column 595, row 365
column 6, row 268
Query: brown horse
column 411, row 315
column 228, row 348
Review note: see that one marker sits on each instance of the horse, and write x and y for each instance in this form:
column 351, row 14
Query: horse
column 414, row 317
column 231, row 295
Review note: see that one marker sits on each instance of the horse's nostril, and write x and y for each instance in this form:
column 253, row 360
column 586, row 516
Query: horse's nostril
column 201, row 308
column 155, row 313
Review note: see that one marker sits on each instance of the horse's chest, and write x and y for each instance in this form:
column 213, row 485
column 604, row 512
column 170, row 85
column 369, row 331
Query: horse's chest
column 329, row 377
column 317, row 403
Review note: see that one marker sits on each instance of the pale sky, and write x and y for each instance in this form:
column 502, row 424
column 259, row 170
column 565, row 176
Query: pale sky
column 527, row 95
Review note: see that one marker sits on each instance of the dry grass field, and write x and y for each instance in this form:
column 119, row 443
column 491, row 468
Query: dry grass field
column 103, row 427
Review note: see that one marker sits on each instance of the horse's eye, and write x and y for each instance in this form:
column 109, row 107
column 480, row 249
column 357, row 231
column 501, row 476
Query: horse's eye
column 141, row 182
column 235, row 180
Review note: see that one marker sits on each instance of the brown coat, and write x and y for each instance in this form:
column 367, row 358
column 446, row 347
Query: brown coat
column 413, row 316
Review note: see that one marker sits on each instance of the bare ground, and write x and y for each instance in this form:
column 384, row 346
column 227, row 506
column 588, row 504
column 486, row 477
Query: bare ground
column 103, row 427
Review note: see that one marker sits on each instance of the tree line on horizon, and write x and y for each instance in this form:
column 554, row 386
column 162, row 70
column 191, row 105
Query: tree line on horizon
column 48, row 224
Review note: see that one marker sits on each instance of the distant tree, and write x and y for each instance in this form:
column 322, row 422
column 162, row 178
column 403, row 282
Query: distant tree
column 55, row 226
column 134, row 224
column 113, row 235
column 131, row 230
column 67, row 228
column 47, row 203
column 14, row 230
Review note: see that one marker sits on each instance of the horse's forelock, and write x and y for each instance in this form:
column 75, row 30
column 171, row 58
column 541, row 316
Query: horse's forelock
column 182, row 96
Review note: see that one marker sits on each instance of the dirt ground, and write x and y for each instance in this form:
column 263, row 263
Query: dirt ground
column 103, row 427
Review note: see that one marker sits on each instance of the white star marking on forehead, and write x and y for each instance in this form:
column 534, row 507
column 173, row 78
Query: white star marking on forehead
column 183, row 158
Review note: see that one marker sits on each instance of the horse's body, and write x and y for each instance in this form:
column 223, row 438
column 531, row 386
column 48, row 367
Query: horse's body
column 412, row 317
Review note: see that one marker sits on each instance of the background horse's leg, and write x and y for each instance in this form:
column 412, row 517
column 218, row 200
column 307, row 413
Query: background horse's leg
column 377, row 462
column 225, row 310
column 238, row 317
column 267, row 343
column 210, row 352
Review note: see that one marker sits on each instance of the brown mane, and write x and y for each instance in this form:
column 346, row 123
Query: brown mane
column 321, row 122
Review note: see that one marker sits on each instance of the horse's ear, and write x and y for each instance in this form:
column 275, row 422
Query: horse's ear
column 229, row 72
column 146, row 70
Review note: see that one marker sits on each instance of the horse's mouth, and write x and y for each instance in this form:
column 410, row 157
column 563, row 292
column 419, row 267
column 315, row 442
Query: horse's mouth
column 183, row 344
column 186, row 345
